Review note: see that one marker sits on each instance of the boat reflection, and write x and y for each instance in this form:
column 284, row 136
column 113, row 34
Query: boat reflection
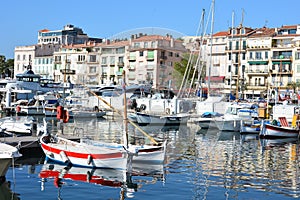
column 6, row 192
column 60, row 174
column 270, row 143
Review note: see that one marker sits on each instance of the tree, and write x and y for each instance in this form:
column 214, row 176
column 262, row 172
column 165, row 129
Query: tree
column 6, row 67
column 187, row 60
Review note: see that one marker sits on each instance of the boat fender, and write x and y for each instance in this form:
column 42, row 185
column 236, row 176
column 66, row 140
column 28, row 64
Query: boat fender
column 59, row 110
column 89, row 159
column 168, row 111
column 96, row 109
column 66, row 116
column 18, row 108
column 46, row 139
column 143, row 107
column 64, row 157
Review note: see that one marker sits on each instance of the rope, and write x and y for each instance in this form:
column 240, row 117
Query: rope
column 119, row 112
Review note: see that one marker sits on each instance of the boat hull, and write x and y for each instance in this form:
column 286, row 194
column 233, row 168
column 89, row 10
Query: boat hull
column 145, row 119
column 228, row 125
column 83, row 155
column 249, row 127
column 274, row 131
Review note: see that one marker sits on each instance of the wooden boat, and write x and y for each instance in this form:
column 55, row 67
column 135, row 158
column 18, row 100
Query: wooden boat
column 69, row 152
column 152, row 154
column 282, row 130
column 142, row 153
column 7, row 154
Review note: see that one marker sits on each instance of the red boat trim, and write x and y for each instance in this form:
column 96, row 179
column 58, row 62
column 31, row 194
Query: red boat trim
column 282, row 129
column 83, row 155
column 80, row 177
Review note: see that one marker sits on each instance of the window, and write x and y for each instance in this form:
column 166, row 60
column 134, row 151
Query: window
column 266, row 55
column 136, row 44
column 112, row 60
column 104, row 60
column 145, row 44
column 24, row 57
column 237, row 44
column 229, row 68
column 93, row 58
column 93, row 69
column 141, row 53
column 258, row 55
column 298, row 68
column 229, row 56
column 251, row 55
column 244, row 56
column 81, row 58
column 171, row 54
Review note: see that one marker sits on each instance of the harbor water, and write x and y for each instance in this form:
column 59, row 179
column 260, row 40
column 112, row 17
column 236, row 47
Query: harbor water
column 200, row 164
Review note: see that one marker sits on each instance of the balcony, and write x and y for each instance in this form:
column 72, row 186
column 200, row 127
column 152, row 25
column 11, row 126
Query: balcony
column 162, row 57
column 256, row 86
column 68, row 71
column 150, row 58
column 132, row 58
column 257, row 72
column 282, row 58
column 121, row 64
column 282, row 72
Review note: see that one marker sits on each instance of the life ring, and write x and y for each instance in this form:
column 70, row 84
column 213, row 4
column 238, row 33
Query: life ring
column 66, row 116
column 143, row 107
column 59, row 110
column 18, row 108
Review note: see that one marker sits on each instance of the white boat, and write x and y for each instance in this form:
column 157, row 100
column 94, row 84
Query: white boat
column 152, row 154
column 86, row 113
column 18, row 125
column 250, row 126
column 231, row 121
column 275, row 130
column 39, row 105
column 7, row 154
column 69, row 152
column 206, row 120
column 153, row 119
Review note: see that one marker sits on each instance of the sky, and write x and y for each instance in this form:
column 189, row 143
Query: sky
column 21, row 20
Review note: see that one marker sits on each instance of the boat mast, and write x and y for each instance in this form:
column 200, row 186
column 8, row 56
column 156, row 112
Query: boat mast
column 231, row 65
column 125, row 120
column 211, row 43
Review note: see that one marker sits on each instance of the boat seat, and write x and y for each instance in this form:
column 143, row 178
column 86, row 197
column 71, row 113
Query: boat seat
column 283, row 121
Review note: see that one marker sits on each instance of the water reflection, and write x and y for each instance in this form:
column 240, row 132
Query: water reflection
column 247, row 164
column 128, row 181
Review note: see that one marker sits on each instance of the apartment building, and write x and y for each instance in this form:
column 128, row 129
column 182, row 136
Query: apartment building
column 151, row 59
column 40, row 56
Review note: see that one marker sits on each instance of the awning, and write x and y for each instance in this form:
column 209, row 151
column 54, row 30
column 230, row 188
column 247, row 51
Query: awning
column 283, row 62
column 258, row 62
column 215, row 78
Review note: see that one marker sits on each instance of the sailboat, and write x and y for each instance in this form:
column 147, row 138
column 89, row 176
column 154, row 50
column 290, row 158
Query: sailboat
column 152, row 154
column 94, row 154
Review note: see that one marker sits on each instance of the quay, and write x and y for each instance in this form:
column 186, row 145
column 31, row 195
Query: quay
column 27, row 142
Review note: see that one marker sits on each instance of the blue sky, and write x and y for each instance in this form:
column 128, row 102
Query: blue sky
column 21, row 20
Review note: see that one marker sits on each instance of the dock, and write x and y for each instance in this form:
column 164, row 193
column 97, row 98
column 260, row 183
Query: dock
column 25, row 142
